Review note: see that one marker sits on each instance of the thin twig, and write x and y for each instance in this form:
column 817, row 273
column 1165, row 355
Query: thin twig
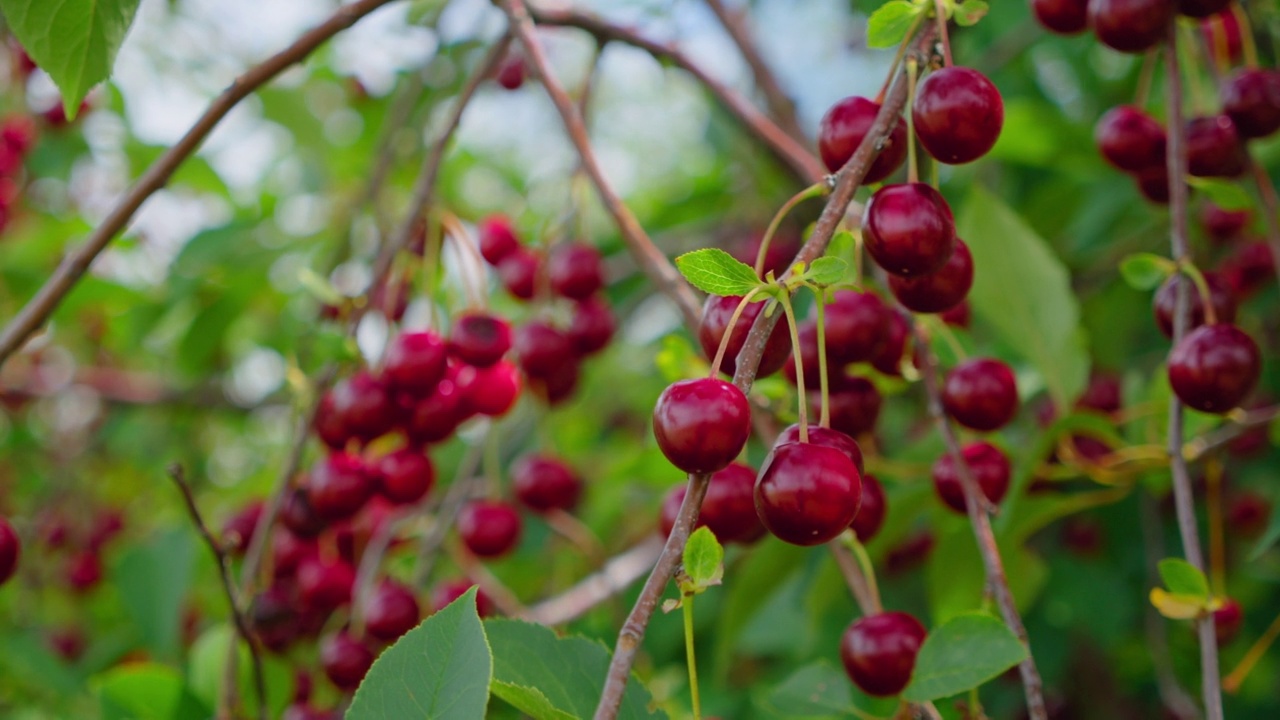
column 780, row 104
column 616, row 575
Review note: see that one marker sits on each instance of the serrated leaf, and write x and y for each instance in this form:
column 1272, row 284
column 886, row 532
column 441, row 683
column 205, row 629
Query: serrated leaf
column 1183, row 578
column 75, row 41
column 1224, row 193
column 889, row 24
column 716, row 272
column 1145, row 271
column 963, row 653
column 1176, row 606
column 826, row 271
column 819, row 690
column 970, row 12
column 703, row 560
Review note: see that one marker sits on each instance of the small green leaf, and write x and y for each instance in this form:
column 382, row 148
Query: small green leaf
column 1178, row 606
column 827, row 271
column 963, row 653
column 1145, row 271
column 703, row 560
column 819, row 690
column 716, row 272
column 1224, row 193
column 843, row 245
column 1183, row 578
column 889, row 24
column 970, row 12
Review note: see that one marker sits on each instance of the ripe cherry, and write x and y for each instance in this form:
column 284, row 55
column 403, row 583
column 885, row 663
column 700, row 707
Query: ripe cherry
column 856, row 325
column 574, row 270
column 1130, row 26
column 941, row 289
column 1153, row 183
column 879, row 652
column 1065, row 17
column 1251, row 98
column 889, row 360
column 273, row 618
column 908, row 229
column 1130, row 139
column 1215, row 148
column 1221, row 296
column 854, row 405
column 437, row 416
column 324, row 585
column 825, row 436
column 1223, row 225
column 299, row 516
column 807, row 494
column 405, row 475
column 238, row 530
column 1248, row 268
column 1201, row 8
column 519, row 274
column 981, row 394
column 1103, row 394
column 364, row 406
column 1248, row 515
column 1223, row 37
column 10, row 551
column 541, row 348
column 1214, row 367
column 866, row 524
column 511, row 72
column 560, row 385
column 391, row 612
column 988, row 466
column 841, row 132
column 415, row 363
column 480, row 339
column 543, row 483
column 84, row 571
column 345, row 660
column 728, row 509
column 328, row 424
column 716, row 313
column 958, row 114
column 339, row 486
column 1227, row 621
column 497, row 238
column 591, row 327
column 489, row 528
column 446, row 592
column 701, row 424
column 490, row 391
column 288, row 551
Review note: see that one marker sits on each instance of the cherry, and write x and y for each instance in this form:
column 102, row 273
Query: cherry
column 288, row 551
column 574, row 270
column 543, row 483
column 856, row 325
column 415, row 363
column 1225, row 29
column 1201, row 8
column 329, row 425
column 716, row 313
column 490, row 391
column 10, row 551
column 701, row 424
column 497, row 239
column 1223, row 225
column 1065, row 17
column 807, row 494
column 445, row 593
column 827, row 437
column 345, row 660
column 436, row 417
column 841, row 132
column 941, row 289
column 1082, row 536
column 480, row 339
column 273, row 618
column 728, row 509
column 908, row 229
column 339, row 486
column 854, row 405
column 1251, row 98
column 324, row 585
column 363, row 406
column 866, row 524
column 541, row 349
column 989, row 467
column 1215, row 148
column 489, row 528
column 561, row 383
column 1214, row 367
column 1227, row 621
column 1221, row 296
column 889, row 360
column 1248, row 268
column 238, row 530
column 1248, row 514
column 909, row 552
column 1153, row 183
column 299, row 516
column 391, row 612
column 981, row 394
column 404, row 476
column 591, row 327
column 519, row 274
column 68, row 643
column 1102, row 394
column 879, row 651
column 511, row 72
column 1130, row 26
column 958, row 114
column 84, row 571
column 106, row 526
column 1130, row 139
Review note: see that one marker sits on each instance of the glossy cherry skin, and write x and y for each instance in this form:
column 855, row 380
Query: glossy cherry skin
column 405, row 475
column 591, row 327
column 1130, row 139
column 415, row 363
column 981, row 394
column 339, row 486
column 825, row 436
column 543, row 483
column 958, row 114
column 1130, row 26
column 867, row 523
column 437, row 416
column 391, row 612
column 1223, row 225
column 329, row 425
column 489, row 528
column 941, row 289
column 1153, row 183
column 345, row 660
column 10, row 551
column 541, row 349
column 879, row 652
column 288, row 551
column 728, row 508
column 854, row 405
column 1249, row 268
column 1065, row 17
column 1227, row 621
column 807, row 494
column 1221, row 296
column 856, row 325
column 701, row 424
column 574, row 270
column 480, row 339
column 989, row 466
column 1201, row 8
column 717, row 311
column 1251, row 98
column 519, row 274
column 1103, row 394
column 497, row 238
column 889, row 360
column 1215, row 148
column 364, row 406
column 299, row 516
column 446, row 592
column 324, row 585
column 908, row 229
column 841, row 132
column 1214, row 367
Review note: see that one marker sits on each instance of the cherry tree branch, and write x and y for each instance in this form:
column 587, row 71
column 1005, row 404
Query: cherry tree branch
column 616, row 575
column 73, row 267
column 779, row 103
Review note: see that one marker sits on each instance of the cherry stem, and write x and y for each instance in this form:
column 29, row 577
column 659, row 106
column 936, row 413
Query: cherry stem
column 868, row 570
column 940, row 12
column 941, row 327
column 689, row 655
column 1231, row 683
column 1217, row 541
column 1202, row 288
column 912, row 172
column 1246, row 35
column 1219, row 51
column 803, row 419
column 462, row 240
column 824, row 414
column 733, row 324
column 1145, row 76
column 816, row 190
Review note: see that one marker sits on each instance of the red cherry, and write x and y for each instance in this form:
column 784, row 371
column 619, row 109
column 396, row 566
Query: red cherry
column 338, row 486
column 1215, row 148
column 1065, row 17
column 1251, row 98
column 560, row 385
column 716, row 313
column 84, row 571
column 1249, row 268
column 989, row 467
column 866, row 524
column 480, row 339
column 497, row 238
column 324, row 585
column 1221, row 296
column 841, row 132
column 591, row 327
column 1130, row 139
column 981, row 394
column 807, row 494
column 329, row 425
column 879, row 652
column 436, row 417
column 1227, row 621
column 941, row 289
column 826, row 437
column 1153, row 183
column 543, row 483
column 106, row 526
column 345, row 660
column 18, row 133
column 238, row 530
column 908, row 229
column 1214, row 367
column 889, row 360
column 511, row 72
column 1102, row 394
column 518, row 272
column 405, row 475
column 1223, row 225
column 274, row 618
column 490, row 391
column 541, row 349
column 702, row 424
column 958, row 114
column 1223, row 37
column 10, row 551
column 489, row 528
column 856, row 325
column 1248, row 514
column 391, row 612
column 728, row 509
column 445, row 593
column 575, row 270
column 68, row 643
column 364, row 407
column 415, row 363
column 958, row 316
column 1130, row 26
column 299, row 516
column 854, row 405
column 288, row 551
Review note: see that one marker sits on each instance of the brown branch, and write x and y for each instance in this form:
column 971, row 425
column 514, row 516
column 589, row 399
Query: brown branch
column 228, row 587
column 37, row 310
column 616, row 575
column 779, row 103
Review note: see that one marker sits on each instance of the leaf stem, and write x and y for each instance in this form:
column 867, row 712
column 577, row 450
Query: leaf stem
column 817, row 189
column 824, row 414
column 689, row 655
column 803, row 390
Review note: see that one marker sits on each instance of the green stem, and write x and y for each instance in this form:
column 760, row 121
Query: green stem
column 975, row 703
column 868, row 570
column 824, row 416
column 689, row 655
column 728, row 332
column 912, row 70
column 785, row 300
column 1202, row 287
column 816, row 190
column 1246, row 35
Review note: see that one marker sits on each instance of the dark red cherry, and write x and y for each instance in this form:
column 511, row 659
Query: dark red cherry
column 543, row 483
column 1223, row 225
column 728, row 509
column 1153, row 183
column 273, row 618
column 879, row 652
column 489, row 528
column 1130, row 139
column 1248, row 268
column 339, row 486
column 1215, row 148
column 592, row 326
column 238, row 530
column 1221, row 295
column 941, row 289
column 511, row 72
column 391, row 612
column 824, row 436
column 989, row 467
column 68, row 643
column 480, row 339
column 841, row 132
column 364, row 406
column 560, row 385
column 288, row 551
column 1248, row 514
column 958, row 114
column 856, row 324
column 807, row 331
column 1130, row 26
column 981, row 394
column 405, row 475
column 1201, row 8
column 908, row 229
column 298, row 515
column 329, row 425
column 10, row 551
column 84, row 571
column 490, row 391
column 415, row 363
column 716, row 313
column 1227, row 621
column 541, row 349
column 445, row 593
column 497, row 238
column 1251, row 98
column 1065, row 17
column 345, row 660
column 325, row 585
column 107, row 524
column 871, row 513
column 807, row 494
column 1102, row 394
column 854, row 405
column 575, row 270
column 519, row 274
column 701, row 424
column 889, row 360
column 437, row 416
column 1214, row 367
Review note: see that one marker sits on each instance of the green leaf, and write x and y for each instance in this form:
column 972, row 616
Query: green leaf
column 439, row 670
column 146, row 691
column 1224, row 193
column 970, row 12
column 827, row 271
column 206, row 669
column 1023, row 292
column 1179, row 606
column 1183, row 578
column 965, row 652
column 889, row 24
column 819, row 690
column 1145, row 271
column 703, row 560
column 716, row 272
column 75, row 41
column 554, row 678
column 153, row 580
